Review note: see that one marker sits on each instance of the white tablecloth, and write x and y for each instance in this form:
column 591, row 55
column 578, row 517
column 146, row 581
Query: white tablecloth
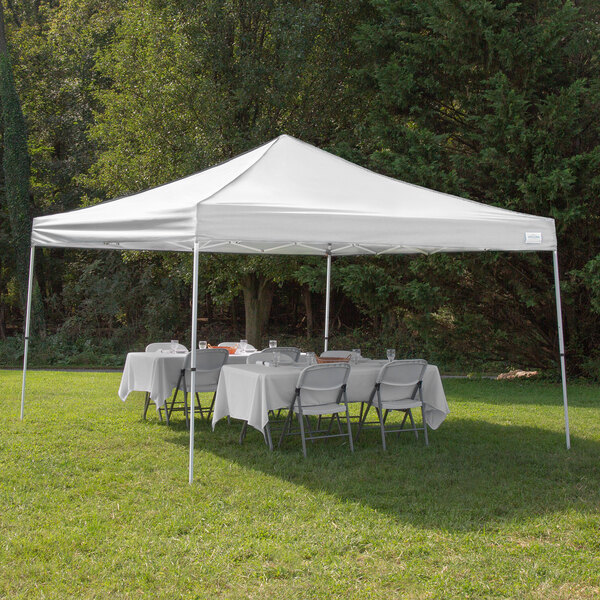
column 249, row 392
column 154, row 372
column 157, row 373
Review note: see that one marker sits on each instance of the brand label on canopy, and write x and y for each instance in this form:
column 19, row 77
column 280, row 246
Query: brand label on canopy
column 533, row 237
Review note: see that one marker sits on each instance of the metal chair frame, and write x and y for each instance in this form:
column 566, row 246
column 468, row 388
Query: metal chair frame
column 297, row 408
column 382, row 412
column 182, row 385
column 154, row 347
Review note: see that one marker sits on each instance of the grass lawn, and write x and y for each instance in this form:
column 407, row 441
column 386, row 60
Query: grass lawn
column 95, row 502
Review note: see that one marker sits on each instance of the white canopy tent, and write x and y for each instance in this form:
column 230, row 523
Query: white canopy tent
column 288, row 197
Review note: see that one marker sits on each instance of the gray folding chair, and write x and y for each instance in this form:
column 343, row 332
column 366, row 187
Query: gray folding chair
column 338, row 354
column 155, row 347
column 398, row 387
column 267, row 354
column 208, row 369
column 321, row 390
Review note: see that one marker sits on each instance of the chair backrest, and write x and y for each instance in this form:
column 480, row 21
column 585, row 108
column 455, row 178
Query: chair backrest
column 400, row 379
column 235, row 346
column 322, row 384
column 338, row 354
column 208, row 367
column 156, row 346
column 290, row 353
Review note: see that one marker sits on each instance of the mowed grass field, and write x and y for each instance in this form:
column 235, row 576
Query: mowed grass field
column 95, row 502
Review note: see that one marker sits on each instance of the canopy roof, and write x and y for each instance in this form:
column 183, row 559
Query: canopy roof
column 288, row 197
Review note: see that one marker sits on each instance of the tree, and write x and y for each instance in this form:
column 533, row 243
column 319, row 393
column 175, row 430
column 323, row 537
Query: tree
column 496, row 102
column 16, row 176
column 196, row 84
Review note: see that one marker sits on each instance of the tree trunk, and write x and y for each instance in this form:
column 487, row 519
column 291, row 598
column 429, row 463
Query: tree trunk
column 306, row 297
column 258, row 297
column 16, row 176
column 233, row 313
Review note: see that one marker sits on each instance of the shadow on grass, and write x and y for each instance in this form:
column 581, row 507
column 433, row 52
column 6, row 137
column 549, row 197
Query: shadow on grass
column 474, row 474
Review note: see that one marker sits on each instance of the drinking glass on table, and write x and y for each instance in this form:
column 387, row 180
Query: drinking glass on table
column 311, row 358
column 272, row 343
column 243, row 345
column 202, row 345
column 355, row 355
column 275, row 359
column 174, row 345
column 391, row 354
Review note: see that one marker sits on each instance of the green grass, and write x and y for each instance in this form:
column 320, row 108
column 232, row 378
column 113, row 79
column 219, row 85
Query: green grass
column 95, row 502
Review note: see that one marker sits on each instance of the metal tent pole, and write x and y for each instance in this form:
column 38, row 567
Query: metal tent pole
column 27, row 326
column 561, row 346
column 327, row 296
column 193, row 360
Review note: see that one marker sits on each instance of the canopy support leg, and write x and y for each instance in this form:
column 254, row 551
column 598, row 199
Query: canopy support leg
column 561, row 346
column 193, row 358
column 327, row 297
column 27, row 326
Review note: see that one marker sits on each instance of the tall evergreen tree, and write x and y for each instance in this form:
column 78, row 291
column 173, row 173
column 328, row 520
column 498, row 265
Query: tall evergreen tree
column 16, row 174
column 496, row 101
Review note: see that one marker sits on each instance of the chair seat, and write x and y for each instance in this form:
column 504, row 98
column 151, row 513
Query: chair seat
column 322, row 409
column 405, row 404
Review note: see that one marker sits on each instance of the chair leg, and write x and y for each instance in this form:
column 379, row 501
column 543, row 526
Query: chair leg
column 363, row 418
column 301, row 419
column 412, row 422
column 185, row 410
column 402, row 424
column 330, row 424
column 424, row 425
column 286, row 423
column 310, row 431
column 200, row 409
column 146, row 404
column 267, row 434
column 381, row 423
column 168, row 410
column 243, row 432
column 349, row 429
column 211, row 407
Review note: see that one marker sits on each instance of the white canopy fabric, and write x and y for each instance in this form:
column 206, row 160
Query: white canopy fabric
column 288, row 197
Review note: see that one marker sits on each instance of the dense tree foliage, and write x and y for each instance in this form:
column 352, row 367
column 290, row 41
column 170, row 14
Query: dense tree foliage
column 496, row 101
column 492, row 100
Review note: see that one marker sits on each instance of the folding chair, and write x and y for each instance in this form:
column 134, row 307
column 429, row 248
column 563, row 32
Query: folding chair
column 267, row 354
column 321, row 390
column 398, row 387
column 339, row 354
column 155, row 347
column 208, row 369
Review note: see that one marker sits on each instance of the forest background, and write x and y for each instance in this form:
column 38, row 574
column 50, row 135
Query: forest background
column 492, row 100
